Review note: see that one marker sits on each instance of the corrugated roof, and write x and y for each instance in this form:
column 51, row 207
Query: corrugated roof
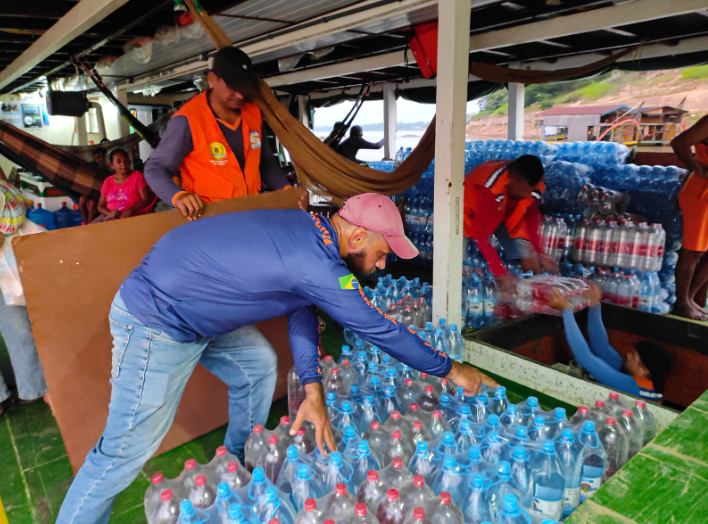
column 582, row 110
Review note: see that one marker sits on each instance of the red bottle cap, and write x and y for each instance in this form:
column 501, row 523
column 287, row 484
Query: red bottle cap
column 417, row 425
column 258, row 428
column 221, row 451
column 614, row 395
column 157, row 478
column 640, row 404
column 397, row 463
column 375, row 425
column 166, row 494
column 419, row 514
column 335, row 372
column 392, row 495
column 599, row 403
column 395, row 414
column 190, row 464
column 284, row 420
column 423, row 375
column 627, row 413
column 273, row 439
column 444, row 381
column 413, row 406
column 301, row 432
column 396, row 434
column 310, row 505
column 445, row 498
column 408, row 382
column 418, row 481
column 612, row 421
column 583, row 410
column 360, row 510
column 340, row 490
column 372, row 475
column 274, row 521
column 437, row 414
column 328, row 521
column 232, row 467
column 346, row 363
column 200, row 480
column 328, row 358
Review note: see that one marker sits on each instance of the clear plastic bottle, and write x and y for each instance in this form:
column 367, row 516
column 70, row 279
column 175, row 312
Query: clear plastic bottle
column 500, row 486
column 492, row 448
column 465, row 437
column 592, row 459
column 429, row 400
column 512, row 512
column 633, row 431
column 455, row 343
column 272, row 460
column 417, row 516
column 568, row 457
column 388, row 403
column 521, row 475
column 415, row 413
column 362, row 515
column 580, row 416
column 257, row 487
column 475, row 507
column 271, row 507
column 235, row 515
column 304, row 487
column 334, row 382
column 446, row 512
column 224, row 499
column 166, row 511
column 339, row 504
column 201, row 495
column 417, row 495
column 296, row 392
column 256, row 445
column 646, row 420
column 372, row 491
column 511, row 417
column 390, row 510
column 616, row 446
column 346, row 354
column 396, row 474
column 396, row 421
column 539, row 431
column 349, row 376
column 346, row 418
column 289, row 470
column 558, row 422
column 599, row 413
column 528, row 409
column 451, row 480
column 217, row 470
column 463, row 412
column 309, row 514
column 549, row 483
column 304, row 439
column 158, row 485
column 338, row 471
column 438, row 425
column 498, row 401
column 187, row 477
column 423, row 463
column 377, row 439
column 398, row 447
column 362, row 463
column 327, row 364
column 189, row 514
column 407, row 394
column 367, row 415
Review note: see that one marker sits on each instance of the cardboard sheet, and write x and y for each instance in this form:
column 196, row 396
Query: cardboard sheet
column 70, row 277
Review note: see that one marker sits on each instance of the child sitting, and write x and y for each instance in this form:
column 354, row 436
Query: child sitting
column 124, row 194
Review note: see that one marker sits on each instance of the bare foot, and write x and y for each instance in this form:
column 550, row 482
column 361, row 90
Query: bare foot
column 48, row 401
column 687, row 311
column 699, row 308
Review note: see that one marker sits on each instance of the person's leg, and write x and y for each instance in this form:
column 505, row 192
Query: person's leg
column 92, row 210
column 700, row 277
column 685, row 273
column 16, row 330
column 148, row 375
column 83, row 207
column 518, row 250
column 246, row 362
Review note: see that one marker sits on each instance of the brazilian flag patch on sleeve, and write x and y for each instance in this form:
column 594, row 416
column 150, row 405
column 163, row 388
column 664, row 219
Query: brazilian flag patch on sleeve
column 348, row 282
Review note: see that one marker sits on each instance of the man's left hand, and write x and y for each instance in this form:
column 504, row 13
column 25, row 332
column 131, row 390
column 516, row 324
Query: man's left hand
column 470, row 378
column 313, row 409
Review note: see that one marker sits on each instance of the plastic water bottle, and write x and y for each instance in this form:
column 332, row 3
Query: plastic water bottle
column 446, row 512
column 388, row 403
column 456, row 346
column 568, row 458
column 372, row 491
column 390, row 510
column 475, row 507
column 407, row 394
column 296, row 393
column 528, row 409
column 417, row 495
column 272, row 460
column 304, row 486
column 498, row 402
column 327, row 364
column 338, row 472
column 511, row 416
column 362, row 463
column 615, row 445
column 451, row 480
column 422, row 463
column 599, row 413
column 224, row 499
column 512, row 512
column 633, row 432
column 397, row 422
column 428, row 400
column 256, row 444
column 187, row 477
column 377, row 439
column 489, row 296
column 592, row 459
column 257, row 487
column 166, row 511
column 289, row 470
column 158, row 485
column 189, row 514
column 270, row 507
column 493, row 447
column 500, row 486
column 447, row 447
column 309, row 514
column 465, row 437
column 398, row 447
column 339, row 504
column 362, row 515
column 367, row 415
column 475, row 306
column 396, row 474
column 539, row 431
column 201, row 494
column 521, row 475
column 645, row 419
column 346, row 417
column 580, row 416
column 549, row 483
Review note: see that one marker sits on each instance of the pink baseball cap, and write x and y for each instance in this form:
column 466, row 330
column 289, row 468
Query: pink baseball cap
column 379, row 214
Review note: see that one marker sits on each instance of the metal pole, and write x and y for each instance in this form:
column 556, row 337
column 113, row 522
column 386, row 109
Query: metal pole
column 389, row 94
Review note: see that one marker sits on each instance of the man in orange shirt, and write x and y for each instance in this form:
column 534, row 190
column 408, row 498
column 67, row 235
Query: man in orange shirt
column 214, row 143
column 501, row 199
column 692, row 266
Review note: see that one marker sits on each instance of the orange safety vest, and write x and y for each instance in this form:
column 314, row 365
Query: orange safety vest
column 493, row 175
column 211, row 170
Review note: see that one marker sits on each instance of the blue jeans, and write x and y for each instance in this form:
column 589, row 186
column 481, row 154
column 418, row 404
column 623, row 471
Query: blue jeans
column 514, row 248
column 148, row 375
column 16, row 330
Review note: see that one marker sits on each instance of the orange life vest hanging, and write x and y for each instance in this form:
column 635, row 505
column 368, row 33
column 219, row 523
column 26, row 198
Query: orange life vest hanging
column 211, row 169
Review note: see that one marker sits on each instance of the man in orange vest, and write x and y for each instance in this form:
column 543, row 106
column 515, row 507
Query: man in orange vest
column 501, row 199
column 692, row 265
column 215, row 143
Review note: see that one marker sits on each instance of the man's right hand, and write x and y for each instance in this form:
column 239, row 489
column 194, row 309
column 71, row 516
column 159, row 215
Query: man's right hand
column 314, row 410
column 469, row 378
column 190, row 205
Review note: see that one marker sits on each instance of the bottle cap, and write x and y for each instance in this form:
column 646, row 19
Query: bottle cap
column 223, row 490
column 397, row 463
column 190, row 464
column 419, row 514
column 583, row 410
column 395, row 414
column 418, row 481
column 627, row 413
column 640, row 404
column 477, row 480
column 273, row 439
column 375, row 425
column 310, row 505
column 274, row 521
column 428, row 388
column 612, row 421
column 335, row 372
column 413, row 406
column 396, row 434
column 372, row 475
column 510, row 503
column 614, row 395
column 340, row 490
column 221, row 451
column 532, row 401
column 417, row 425
column 258, row 428
column 444, row 381
column 258, row 474
column 392, row 495
column 345, row 363
column 157, row 478
column 448, row 437
column 200, row 480
column 166, row 494
column 328, row 358
column 599, row 403
column 363, row 446
column 360, row 510
column 301, row 432
column 186, row 508
column 437, row 413
column 589, row 426
column 408, row 382
column 335, row 457
column 423, row 375
column 449, row 463
column 232, row 467
column 445, row 498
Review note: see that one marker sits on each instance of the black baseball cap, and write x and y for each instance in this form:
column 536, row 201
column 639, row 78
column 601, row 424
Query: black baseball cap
column 235, row 68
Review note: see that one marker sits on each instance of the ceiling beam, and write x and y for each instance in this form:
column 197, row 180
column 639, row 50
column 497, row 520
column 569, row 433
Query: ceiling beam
column 52, row 9
column 74, row 23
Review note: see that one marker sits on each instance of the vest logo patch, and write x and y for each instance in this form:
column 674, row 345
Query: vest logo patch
column 348, row 282
column 218, row 153
column 255, row 139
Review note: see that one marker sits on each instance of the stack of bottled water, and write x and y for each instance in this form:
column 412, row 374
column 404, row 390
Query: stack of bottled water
column 596, row 154
column 534, row 293
column 407, row 440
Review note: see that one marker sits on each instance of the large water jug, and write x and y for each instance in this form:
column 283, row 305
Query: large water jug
column 63, row 217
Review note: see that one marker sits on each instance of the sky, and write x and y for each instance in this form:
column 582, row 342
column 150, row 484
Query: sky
column 372, row 112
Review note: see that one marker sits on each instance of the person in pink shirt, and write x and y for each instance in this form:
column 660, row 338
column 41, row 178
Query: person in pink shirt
column 125, row 193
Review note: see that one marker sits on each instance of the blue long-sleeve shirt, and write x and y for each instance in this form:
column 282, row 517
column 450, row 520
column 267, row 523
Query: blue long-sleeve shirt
column 603, row 362
column 214, row 275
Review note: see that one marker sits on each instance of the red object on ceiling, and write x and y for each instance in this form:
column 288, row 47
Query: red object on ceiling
column 424, row 46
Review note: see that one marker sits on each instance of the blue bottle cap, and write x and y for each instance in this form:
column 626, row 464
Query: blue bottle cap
column 303, row 471
column 359, row 344
column 512, row 409
column 465, row 424
column 186, row 508
column 477, row 481
column 335, row 457
column 449, row 463
column 464, row 409
column 428, row 325
column 448, row 437
column 589, row 426
column 372, row 367
column 548, row 447
column 391, row 372
column 362, row 355
column 223, row 489
column 493, row 420
column 483, row 398
column 346, row 349
column 331, row 395
column 389, row 391
column 375, row 381
column 540, row 420
column 567, row 434
column 422, row 446
column 438, row 331
column 258, row 475
column 355, row 388
column 369, row 399
column 235, row 512
column 510, row 503
column 386, row 358
column 549, row 521
column 271, row 494
column 500, row 392
column 533, row 402
column 519, row 453
column 504, row 467
column 453, row 327
column 444, row 399
column 363, row 446
column 375, row 349
column 560, row 413
column 474, row 453
column 349, row 432
column 347, row 407
column 521, row 431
